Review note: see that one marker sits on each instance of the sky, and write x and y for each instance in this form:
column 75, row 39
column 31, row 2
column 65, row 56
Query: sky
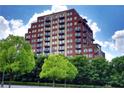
column 107, row 22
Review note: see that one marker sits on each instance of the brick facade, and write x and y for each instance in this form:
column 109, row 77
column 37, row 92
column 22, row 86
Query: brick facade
column 63, row 32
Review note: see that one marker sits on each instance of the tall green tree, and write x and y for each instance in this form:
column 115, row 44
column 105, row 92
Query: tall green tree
column 117, row 72
column 71, row 72
column 56, row 67
column 99, row 71
column 16, row 55
column 83, row 66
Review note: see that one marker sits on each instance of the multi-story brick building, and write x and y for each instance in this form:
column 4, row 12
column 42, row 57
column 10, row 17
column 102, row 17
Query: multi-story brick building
column 64, row 32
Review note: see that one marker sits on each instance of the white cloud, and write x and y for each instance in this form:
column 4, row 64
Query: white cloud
column 15, row 24
column 4, row 28
column 54, row 8
column 106, row 44
column 17, row 27
column 93, row 25
column 109, row 56
column 119, row 40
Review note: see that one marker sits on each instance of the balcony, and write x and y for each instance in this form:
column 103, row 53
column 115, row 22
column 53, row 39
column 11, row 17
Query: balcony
column 61, row 49
column 78, row 41
column 78, row 36
column 47, row 50
column 47, row 30
column 84, row 31
column 61, row 18
column 47, row 20
column 47, row 35
column 47, row 25
column 84, row 43
column 61, row 28
column 47, row 40
column 47, row 46
column 61, row 23
column 84, row 36
column 77, row 30
column 61, row 38
column 78, row 47
column 61, row 33
column 28, row 39
column 61, row 44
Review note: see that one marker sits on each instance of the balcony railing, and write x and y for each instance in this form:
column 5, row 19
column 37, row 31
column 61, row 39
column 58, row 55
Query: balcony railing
column 61, row 38
column 61, row 33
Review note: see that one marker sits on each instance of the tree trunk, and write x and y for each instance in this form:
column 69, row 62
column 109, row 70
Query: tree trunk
column 53, row 83
column 2, row 83
column 10, row 80
column 65, row 83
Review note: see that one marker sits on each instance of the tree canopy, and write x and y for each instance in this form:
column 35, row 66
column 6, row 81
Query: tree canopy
column 57, row 67
column 16, row 55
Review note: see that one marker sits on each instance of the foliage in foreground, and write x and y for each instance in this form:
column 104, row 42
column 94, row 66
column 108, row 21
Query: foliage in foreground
column 16, row 56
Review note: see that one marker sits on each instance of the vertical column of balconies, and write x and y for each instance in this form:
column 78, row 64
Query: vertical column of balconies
column 47, row 35
column 57, row 34
column 65, row 34
column 78, row 39
column 62, row 33
column 51, row 36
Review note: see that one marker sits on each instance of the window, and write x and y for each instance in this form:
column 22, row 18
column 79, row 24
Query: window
column 69, row 46
column 39, row 45
column 77, row 40
column 69, row 40
column 61, row 42
column 28, row 36
column 85, row 50
column 77, row 34
column 69, row 24
column 90, row 50
column 62, row 47
column 75, row 23
column 61, row 26
column 33, row 31
column 69, row 35
column 39, row 30
column 55, row 42
column 78, row 51
column 39, row 40
column 33, row 35
column 77, row 28
column 69, row 19
column 78, row 46
column 67, row 14
column 33, row 45
column 69, row 52
column 75, row 18
column 33, row 40
column 70, row 29
column 70, row 13
column 47, row 43
column 39, row 35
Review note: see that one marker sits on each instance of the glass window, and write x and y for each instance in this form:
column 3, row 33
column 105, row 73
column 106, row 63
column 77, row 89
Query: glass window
column 75, row 18
column 75, row 23
column 85, row 50
column 90, row 50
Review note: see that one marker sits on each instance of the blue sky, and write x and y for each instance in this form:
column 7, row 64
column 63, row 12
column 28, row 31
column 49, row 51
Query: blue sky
column 106, row 21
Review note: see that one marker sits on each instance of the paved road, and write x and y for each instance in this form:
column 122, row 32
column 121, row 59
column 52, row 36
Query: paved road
column 24, row 86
